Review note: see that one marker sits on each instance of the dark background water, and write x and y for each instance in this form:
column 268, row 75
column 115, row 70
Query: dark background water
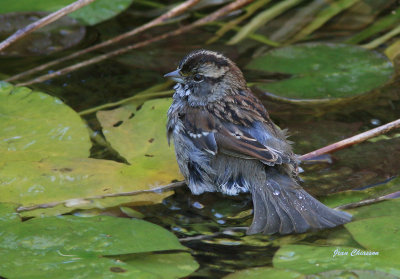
column 210, row 224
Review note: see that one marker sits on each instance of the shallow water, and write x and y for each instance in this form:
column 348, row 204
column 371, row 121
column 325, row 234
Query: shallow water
column 212, row 224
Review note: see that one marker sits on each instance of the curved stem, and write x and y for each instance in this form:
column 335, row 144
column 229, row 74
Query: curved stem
column 352, row 140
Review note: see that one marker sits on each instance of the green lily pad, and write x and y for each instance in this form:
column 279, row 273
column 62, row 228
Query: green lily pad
column 94, row 13
column 323, row 71
column 64, row 247
column 353, row 273
column 384, row 208
column 100, row 10
column 46, row 168
column 35, row 126
column 315, row 259
column 264, row 273
column 267, row 272
column 100, row 234
column 345, row 197
column 368, row 232
column 376, row 248
column 7, row 213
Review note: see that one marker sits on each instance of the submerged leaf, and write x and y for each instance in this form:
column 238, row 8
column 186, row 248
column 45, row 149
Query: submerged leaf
column 60, row 35
column 323, row 71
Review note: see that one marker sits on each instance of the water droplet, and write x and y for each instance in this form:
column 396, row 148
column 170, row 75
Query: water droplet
column 198, row 205
column 276, row 192
column 375, row 122
column 287, row 255
column 301, row 197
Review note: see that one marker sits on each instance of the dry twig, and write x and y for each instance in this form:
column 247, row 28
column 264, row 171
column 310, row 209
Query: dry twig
column 160, row 189
column 352, row 140
column 43, row 22
column 369, row 201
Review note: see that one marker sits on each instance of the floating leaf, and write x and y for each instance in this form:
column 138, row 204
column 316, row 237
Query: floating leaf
column 264, row 273
column 35, row 126
column 139, row 136
column 323, row 71
column 267, row 272
column 315, row 259
column 368, row 232
column 100, row 10
column 45, row 165
column 94, row 13
column 351, row 196
column 7, row 213
column 381, row 209
column 376, row 250
column 64, row 247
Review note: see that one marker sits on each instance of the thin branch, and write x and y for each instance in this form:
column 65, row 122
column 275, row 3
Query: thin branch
column 369, row 201
column 217, row 14
column 43, row 22
column 160, row 189
column 352, row 140
column 172, row 13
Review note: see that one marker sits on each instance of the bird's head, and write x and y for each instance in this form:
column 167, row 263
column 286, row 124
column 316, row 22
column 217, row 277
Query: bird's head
column 207, row 76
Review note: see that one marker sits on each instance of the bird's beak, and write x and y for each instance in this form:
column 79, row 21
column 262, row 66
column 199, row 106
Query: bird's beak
column 176, row 76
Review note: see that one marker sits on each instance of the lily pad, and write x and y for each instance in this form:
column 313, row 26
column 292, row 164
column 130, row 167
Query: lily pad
column 315, row 259
column 64, row 247
column 267, row 272
column 35, row 126
column 373, row 249
column 46, row 147
column 368, row 232
column 351, row 196
column 264, row 273
column 91, row 14
column 138, row 135
column 323, row 71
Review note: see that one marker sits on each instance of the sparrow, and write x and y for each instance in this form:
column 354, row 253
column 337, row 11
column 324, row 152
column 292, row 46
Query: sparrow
column 226, row 142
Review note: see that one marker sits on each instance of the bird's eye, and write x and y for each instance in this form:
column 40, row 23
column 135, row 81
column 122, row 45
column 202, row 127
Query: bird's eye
column 198, row 77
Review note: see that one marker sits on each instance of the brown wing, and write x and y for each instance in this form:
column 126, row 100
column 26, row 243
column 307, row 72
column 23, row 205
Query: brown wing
column 228, row 128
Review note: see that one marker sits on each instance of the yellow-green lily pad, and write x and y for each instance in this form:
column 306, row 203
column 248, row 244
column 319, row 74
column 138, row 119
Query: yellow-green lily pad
column 139, row 136
column 35, row 126
column 46, row 145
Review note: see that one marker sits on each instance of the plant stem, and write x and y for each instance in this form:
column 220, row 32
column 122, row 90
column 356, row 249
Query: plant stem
column 352, row 140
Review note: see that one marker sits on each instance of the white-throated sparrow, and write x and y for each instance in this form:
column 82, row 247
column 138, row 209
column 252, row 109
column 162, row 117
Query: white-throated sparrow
column 226, row 142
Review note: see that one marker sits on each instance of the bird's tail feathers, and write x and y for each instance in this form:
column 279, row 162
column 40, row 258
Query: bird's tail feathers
column 282, row 206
